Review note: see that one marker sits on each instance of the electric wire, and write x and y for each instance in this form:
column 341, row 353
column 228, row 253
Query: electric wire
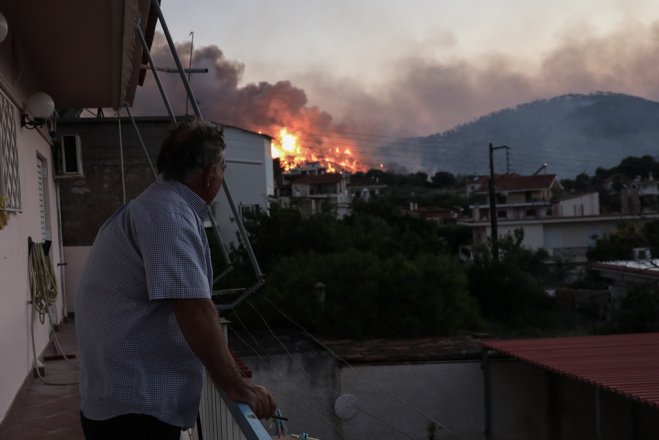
column 303, row 370
column 343, row 361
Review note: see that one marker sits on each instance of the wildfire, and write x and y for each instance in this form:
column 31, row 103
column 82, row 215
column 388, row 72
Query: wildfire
column 292, row 154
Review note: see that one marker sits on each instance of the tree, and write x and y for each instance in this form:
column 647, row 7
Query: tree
column 443, row 179
column 618, row 245
column 509, row 291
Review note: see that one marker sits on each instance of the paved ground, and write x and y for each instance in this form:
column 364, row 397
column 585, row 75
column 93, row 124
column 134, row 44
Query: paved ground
column 51, row 411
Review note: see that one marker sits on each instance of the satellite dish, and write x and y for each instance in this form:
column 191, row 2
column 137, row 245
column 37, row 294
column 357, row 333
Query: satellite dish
column 345, row 406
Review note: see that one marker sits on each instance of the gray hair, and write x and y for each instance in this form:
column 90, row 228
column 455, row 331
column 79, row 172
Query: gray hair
column 189, row 148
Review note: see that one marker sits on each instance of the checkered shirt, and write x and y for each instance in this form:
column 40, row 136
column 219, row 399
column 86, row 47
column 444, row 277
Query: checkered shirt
column 133, row 356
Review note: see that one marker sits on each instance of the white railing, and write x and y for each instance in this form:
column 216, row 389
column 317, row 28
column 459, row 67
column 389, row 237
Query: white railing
column 223, row 419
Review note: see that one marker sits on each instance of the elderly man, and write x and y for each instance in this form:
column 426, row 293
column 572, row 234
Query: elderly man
column 145, row 322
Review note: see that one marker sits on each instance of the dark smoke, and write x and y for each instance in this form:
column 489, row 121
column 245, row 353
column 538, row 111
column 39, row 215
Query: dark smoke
column 418, row 96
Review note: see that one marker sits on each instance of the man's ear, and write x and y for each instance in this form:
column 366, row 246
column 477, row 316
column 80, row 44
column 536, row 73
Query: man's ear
column 206, row 175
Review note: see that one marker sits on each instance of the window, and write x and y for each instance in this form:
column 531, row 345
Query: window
column 530, row 212
column 502, row 214
column 10, row 184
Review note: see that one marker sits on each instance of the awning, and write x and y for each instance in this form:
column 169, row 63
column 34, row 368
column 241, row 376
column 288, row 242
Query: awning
column 623, row 364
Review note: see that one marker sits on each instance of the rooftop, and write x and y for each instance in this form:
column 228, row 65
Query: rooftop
column 623, row 364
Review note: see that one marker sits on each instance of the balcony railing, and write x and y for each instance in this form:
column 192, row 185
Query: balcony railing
column 223, row 419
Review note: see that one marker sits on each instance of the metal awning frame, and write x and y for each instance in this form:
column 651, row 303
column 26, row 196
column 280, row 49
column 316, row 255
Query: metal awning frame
column 242, row 232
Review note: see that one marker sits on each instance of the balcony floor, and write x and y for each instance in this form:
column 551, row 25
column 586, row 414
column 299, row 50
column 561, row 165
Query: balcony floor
column 47, row 411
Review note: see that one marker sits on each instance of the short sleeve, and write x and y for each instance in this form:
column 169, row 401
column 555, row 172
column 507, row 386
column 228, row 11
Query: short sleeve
column 175, row 255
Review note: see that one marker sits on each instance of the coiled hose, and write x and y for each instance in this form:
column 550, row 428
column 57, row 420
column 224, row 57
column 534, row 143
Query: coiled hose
column 43, row 284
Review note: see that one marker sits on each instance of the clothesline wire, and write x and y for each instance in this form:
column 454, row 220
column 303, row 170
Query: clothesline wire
column 299, row 394
column 367, row 379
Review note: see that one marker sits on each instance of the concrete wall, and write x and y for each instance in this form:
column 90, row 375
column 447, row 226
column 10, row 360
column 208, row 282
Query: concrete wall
column 16, row 321
column 75, row 257
column 249, row 175
column 579, row 206
column 402, row 401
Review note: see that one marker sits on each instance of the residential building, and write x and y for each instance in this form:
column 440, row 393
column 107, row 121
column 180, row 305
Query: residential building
column 363, row 188
column 517, row 197
column 564, row 226
column 642, row 271
column 318, row 193
column 81, row 54
column 117, row 169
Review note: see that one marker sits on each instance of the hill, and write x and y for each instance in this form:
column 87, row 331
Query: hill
column 572, row 133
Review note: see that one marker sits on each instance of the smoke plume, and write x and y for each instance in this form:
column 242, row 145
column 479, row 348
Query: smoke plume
column 419, row 96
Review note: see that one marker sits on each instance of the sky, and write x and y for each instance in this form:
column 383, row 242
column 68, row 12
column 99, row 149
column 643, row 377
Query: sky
column 385, row 69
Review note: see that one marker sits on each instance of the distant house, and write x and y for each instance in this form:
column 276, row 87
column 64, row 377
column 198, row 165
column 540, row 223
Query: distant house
column 363, row 188
column 517, row 197
column 439, row 215
column 314, row 194
column 643, row 270
column 565, row 227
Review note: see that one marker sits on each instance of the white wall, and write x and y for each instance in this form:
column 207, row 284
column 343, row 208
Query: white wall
column 15, row 312
column 249, row 175
column 75, row 257
column 588, row 204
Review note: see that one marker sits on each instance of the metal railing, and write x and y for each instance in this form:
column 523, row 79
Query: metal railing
column 224, row 419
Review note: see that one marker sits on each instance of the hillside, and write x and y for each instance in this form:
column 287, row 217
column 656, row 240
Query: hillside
column 572, row 133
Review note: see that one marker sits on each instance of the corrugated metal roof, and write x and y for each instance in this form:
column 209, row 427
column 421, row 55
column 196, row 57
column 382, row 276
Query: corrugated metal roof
column 624, row 364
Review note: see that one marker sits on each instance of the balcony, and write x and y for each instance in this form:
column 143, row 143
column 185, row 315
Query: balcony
column 45, row 411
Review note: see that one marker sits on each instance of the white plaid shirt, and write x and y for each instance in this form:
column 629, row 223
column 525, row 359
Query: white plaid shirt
column 133, row 357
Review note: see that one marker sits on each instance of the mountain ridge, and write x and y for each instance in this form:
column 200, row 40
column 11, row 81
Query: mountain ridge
column 573, row 133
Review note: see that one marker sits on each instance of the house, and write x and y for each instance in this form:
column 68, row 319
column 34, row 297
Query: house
column 643, row 270
column 363, row 188
column 318, row 193
column 564, row 226
column 517, row 197
column 42, row 53
column 116, row 169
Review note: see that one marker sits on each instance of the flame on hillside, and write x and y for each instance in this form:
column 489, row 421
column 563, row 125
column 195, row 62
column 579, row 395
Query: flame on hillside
column 292, row 154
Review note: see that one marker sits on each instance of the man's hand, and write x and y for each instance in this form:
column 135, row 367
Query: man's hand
column 256, row 396
column 200, row 325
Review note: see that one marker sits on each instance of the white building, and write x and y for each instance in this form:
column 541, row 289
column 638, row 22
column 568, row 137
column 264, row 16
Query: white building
column 43, row 52
column 117, row 170
column 250, row 176
column 565, row 227
column 318, row 193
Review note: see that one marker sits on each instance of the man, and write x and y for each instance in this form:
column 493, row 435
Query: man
column 145, row 322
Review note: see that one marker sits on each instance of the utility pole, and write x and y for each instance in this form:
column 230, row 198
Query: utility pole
column 494, row 233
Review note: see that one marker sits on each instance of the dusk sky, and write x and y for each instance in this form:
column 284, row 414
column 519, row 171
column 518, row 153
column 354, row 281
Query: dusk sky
column 407, row 68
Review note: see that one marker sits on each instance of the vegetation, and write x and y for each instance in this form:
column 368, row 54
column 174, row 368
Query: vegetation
column 380, row 272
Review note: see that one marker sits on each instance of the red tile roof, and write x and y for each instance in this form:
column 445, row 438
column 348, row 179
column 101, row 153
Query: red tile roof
column 624, row 364
column 515, row 182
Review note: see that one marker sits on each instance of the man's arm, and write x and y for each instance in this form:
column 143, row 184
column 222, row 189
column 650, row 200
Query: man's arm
column 200, row 325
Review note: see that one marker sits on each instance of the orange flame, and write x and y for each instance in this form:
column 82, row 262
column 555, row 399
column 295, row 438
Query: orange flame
column 292, row 154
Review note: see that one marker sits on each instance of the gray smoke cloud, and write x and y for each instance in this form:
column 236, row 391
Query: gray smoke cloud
column 419, row 96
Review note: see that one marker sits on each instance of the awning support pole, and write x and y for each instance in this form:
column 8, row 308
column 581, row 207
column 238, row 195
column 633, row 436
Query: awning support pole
column 156, row 76
column 195, row 107
column 139, row 137
column 177, row 60
column 598, row 415
column 487, row 394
